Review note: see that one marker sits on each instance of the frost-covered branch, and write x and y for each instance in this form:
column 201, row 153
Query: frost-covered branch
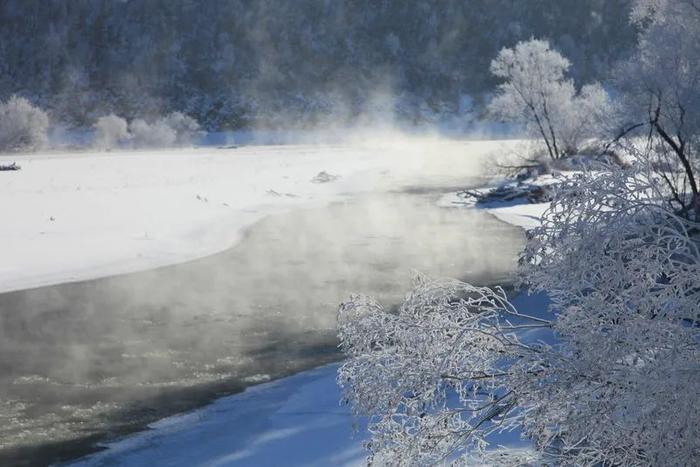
column 617, row 382
column 438, row 375
column 660, row 86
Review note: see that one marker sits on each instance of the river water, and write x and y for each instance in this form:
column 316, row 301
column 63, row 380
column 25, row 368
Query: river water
column 89, row 361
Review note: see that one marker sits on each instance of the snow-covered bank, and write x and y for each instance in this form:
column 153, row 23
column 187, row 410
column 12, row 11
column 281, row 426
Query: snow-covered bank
column 294, row 421
column 518, row 212
column 78, row 216
column 68, row 217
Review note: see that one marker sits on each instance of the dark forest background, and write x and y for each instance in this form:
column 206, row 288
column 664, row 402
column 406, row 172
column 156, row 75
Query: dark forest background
column 236, row 63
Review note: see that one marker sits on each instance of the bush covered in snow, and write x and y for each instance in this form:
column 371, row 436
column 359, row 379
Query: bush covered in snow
column 23, row 127
column 174, row 129
column 151, row 135
column 111, row 132
column 187, row 130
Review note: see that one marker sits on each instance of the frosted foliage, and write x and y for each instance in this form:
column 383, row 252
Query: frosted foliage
column 584, row 117
column 667, row 68
column 537, row 94
column 434, row 376
column 23, row 127
column 154, row 134
column 624, row 275
column 660, row 87
column 186, row 128
column 174, row 129
column 110, row 132
column 617, row 382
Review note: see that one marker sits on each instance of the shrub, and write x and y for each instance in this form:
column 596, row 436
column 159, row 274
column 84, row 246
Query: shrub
column 110, row 131
column 186, row 128
column 174, row 129
column 23, row 127
column 151, row 135
column 609, row 375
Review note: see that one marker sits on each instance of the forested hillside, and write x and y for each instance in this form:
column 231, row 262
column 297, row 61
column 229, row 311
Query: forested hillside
column 235, row 63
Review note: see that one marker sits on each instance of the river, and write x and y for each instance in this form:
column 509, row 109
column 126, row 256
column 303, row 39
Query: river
column 89, row 361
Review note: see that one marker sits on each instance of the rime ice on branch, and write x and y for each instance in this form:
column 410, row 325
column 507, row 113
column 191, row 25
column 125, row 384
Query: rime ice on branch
column 617, row 385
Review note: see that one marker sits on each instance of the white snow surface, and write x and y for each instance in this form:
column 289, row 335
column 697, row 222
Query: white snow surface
column 526, row 216
column 518, row 212
column 73, row 216
column 295, row 421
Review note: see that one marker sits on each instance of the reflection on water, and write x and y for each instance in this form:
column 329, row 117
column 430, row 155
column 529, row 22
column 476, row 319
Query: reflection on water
column 79, row 362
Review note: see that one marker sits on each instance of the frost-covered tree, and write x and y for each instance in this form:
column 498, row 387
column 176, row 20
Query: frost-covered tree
column 608, row 376
column 660, row 87
column 537, row 94
column 111, row 131
column 174, row 129
column 187, row 130
column 156, row 134
column 23, row 127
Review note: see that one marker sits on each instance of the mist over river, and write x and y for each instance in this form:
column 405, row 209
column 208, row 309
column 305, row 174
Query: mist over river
column 88, row 361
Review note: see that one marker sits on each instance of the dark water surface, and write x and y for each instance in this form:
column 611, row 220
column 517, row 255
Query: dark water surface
column 87, row 361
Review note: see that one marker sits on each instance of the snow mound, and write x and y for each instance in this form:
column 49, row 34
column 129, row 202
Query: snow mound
column 324, row 177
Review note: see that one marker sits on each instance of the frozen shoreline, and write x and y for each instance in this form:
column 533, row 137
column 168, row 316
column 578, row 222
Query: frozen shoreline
column 292, row 421
column 518, row 212
column 82, row 216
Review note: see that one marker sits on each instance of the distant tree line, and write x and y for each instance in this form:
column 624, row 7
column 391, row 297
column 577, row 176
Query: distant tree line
column 234, row 63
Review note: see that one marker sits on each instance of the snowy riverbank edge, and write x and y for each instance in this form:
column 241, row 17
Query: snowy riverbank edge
column 296, row 420
column 73, row 217
column 517, row 212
